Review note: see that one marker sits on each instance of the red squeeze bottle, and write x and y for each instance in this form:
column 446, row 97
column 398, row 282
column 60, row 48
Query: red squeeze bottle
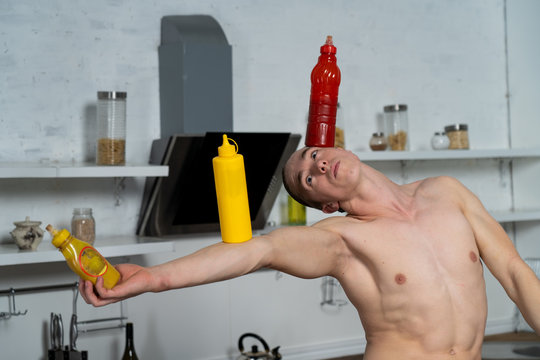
column 325, row 80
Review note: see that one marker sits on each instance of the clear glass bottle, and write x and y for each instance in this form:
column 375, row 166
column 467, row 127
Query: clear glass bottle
column 297, row 212
column 378, row 142
column 111, row 128
column 83, row 225
column 397, row 125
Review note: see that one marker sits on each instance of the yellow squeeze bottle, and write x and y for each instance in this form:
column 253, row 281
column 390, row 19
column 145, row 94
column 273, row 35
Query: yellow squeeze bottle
column 231, row 192
column 83, row 258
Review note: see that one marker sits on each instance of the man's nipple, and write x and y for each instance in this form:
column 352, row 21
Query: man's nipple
column 473, row 256
column 400, row 279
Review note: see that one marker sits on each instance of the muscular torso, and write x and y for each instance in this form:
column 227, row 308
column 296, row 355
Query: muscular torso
column 416, row 280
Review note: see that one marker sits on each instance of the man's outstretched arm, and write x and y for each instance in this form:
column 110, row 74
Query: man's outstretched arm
column 501, row 257
column 306, row 252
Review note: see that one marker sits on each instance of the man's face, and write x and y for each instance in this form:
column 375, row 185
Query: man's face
column 322, row 175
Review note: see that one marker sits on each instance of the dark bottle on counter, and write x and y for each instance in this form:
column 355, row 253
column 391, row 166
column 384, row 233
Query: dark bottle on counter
column 129, row 352
column 323, row 102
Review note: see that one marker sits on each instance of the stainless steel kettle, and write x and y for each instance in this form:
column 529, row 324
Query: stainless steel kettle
column 255, row 353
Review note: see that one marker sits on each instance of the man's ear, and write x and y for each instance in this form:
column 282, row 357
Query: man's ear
column 330, row 207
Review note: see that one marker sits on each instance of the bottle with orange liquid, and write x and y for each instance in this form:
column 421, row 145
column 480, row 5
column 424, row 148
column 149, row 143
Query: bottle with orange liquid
column 323, row 102
column 83, row 258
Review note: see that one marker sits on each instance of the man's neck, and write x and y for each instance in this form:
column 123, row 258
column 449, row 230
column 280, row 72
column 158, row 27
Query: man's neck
column 381, row 197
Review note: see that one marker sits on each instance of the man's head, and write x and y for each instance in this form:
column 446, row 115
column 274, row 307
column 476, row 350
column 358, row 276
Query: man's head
column 322, row 178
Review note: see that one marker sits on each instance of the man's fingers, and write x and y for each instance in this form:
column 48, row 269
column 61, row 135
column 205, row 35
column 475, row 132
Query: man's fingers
column 91, row 294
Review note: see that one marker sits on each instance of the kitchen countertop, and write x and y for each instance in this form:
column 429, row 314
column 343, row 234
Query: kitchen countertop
column 502, row 346
column 496, row 347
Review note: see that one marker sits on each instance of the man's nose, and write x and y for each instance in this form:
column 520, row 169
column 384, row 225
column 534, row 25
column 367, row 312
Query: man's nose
column 322, row 166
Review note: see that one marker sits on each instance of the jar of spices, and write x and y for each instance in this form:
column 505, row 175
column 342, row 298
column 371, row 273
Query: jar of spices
column 111, row 128
column 378, row 142
column 395, row 117
column 440, row 141
column 458, row 135
column 83, row 225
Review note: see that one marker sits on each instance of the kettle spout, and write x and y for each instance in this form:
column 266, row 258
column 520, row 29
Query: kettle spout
column 276, row 354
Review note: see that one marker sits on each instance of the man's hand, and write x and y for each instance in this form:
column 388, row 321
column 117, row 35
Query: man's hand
column 134, row 280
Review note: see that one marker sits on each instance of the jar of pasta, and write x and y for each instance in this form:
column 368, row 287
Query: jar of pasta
column 397, row 125
column 458, row 135
column 111, row 128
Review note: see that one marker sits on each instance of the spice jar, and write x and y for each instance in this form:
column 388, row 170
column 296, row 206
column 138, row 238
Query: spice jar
column 440, row 141
column 83, row 225
column 397, row 124
column 458, row 135
column 378, row 142
column 111, row 131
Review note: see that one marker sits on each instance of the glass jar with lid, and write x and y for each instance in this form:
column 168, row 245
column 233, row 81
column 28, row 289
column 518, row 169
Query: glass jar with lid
column 83, row 225
column 111, row 128
column 458, row 135
column 378, row 142
column 397, row 126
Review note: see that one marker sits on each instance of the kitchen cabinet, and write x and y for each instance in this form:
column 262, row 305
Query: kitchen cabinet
column 512, row 215
column 117, row 246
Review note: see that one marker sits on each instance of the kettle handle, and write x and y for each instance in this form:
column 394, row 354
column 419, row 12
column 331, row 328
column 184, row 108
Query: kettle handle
column 241, row 340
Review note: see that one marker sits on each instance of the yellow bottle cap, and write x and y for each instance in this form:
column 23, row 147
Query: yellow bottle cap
column 58, row 236
column 227, row 149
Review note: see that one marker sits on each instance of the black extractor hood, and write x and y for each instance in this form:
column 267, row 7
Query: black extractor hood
column 185, row 201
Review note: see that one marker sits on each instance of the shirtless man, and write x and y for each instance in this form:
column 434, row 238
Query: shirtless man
column 407, row 256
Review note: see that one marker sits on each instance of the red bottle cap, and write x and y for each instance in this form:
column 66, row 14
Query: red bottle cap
column 328, row 47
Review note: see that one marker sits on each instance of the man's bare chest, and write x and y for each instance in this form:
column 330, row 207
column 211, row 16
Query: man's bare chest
column 434, row 249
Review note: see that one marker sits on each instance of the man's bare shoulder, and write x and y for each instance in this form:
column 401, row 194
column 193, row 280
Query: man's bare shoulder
column 333, row 221
column 440, row 186
column 441, row 181
column 343, row 226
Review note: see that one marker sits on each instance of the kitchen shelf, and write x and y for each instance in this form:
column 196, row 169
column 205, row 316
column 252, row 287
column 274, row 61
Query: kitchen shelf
column 108, row 247
column 448, row 154
column 516, row 215
column 17, row 170
column 510, row 154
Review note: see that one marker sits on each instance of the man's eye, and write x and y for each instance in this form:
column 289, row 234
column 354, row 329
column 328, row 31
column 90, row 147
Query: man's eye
column 308, row 180
column 314, row 154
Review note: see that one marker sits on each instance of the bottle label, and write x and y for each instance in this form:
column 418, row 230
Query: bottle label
column 91, row 262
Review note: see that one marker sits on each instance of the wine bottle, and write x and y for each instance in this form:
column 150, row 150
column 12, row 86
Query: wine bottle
column 129, row 352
